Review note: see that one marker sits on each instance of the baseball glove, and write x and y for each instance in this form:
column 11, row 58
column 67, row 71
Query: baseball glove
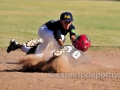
column 34, row 42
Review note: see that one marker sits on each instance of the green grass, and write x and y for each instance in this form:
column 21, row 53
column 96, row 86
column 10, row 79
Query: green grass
column 100, row 20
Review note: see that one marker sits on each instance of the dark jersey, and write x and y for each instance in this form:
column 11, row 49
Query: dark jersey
column 58, row 29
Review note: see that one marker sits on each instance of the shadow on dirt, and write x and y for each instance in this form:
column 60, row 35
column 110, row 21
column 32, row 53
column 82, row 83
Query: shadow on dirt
column 44, row 67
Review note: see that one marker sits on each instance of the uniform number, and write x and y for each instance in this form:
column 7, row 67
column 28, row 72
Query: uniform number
column 75, row 54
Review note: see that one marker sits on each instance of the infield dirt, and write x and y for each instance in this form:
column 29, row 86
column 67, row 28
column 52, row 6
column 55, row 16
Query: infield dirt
column 85, row 77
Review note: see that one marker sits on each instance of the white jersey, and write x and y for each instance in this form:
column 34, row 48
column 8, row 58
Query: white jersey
column 75, row 56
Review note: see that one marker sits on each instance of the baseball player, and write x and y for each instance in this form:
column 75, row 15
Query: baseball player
column 51, row 31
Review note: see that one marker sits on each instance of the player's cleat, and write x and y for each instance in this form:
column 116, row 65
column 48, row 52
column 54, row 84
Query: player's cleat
column 13, row 46
column 60, row 51
column 34, row 42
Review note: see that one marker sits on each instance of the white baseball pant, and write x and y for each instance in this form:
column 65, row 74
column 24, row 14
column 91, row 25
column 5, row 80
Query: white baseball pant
column 47, row 36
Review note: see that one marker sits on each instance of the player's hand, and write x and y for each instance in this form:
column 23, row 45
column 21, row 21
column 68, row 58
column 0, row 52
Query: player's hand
column 74, row 42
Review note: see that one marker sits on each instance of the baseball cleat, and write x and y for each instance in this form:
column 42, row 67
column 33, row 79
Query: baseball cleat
column 34, row 42
column 13, row 46
column 60, row 51
column 57, row 53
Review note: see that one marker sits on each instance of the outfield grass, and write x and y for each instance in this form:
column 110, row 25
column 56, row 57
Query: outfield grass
column 100, row 20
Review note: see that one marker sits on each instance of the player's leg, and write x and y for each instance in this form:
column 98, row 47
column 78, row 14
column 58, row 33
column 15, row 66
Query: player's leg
column 13, row 45
column 24, row 48
column 42, row 47
column 31, row 45
column 47, row 36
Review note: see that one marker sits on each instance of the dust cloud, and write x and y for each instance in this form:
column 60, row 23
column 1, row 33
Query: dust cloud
column 63, row 63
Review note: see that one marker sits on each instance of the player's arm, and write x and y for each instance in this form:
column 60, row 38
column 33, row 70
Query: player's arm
column 57, row 36
column 72, row 35
column 73, row 38
column 60, row 42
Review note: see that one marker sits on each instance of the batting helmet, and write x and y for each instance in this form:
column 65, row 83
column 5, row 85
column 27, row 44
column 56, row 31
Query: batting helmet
column 82, row 43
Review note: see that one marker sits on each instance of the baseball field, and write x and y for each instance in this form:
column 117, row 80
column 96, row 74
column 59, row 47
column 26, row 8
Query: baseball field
column 99, row 20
